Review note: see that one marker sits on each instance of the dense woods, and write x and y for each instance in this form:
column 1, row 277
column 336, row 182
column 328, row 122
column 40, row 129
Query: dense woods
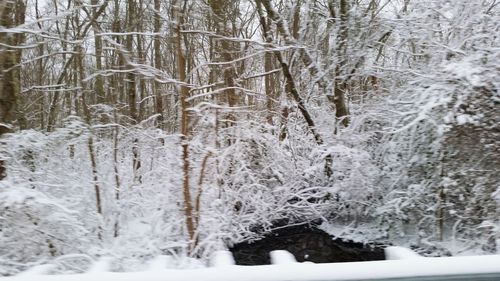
column 134, row 128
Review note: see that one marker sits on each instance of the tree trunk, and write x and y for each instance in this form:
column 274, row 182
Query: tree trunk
column 270, row 85
column 341, row 110
column 99, row 83
column 116, row 132
column 184, row 95
column 157, row 64
column 225, row 49
column 337, row 99
column 291, row 88
column 90, row 142
column 11, row 14
column 131, row 89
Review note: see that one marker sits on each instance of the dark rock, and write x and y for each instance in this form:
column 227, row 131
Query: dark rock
column 306, row 243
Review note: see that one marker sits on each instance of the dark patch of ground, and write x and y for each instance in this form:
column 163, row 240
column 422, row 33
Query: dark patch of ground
column 306, row 243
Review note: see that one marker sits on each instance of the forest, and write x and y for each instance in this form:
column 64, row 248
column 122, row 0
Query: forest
column 134, row 128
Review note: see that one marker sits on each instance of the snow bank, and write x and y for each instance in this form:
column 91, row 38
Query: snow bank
column 422, row 267
column 400, row 253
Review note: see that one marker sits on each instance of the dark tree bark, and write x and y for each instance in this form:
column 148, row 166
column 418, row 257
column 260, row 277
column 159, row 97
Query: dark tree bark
column 157, row 64
column 337, row 99
column 290, row 82
column 290, row 85
column 12, row 13
column 184, row 95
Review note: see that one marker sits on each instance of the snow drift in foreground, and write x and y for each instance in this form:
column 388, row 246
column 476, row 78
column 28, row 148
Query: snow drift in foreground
column 287, row 269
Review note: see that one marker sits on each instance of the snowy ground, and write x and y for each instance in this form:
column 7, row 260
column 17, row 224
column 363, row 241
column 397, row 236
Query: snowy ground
column 405, row 265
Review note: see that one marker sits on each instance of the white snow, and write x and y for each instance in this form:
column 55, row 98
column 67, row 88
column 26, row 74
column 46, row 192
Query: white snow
column 222, row 258
column 282, row 257
column 102, row 265
column 159, row 263
column 400, row 253
column 421, row 267
column 37, row 270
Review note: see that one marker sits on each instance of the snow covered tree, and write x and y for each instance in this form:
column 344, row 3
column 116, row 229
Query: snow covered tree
column 438, row 157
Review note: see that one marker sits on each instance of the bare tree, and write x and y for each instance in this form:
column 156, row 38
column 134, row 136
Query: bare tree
column 180, row 12
column 12, row 14
column 158, row 64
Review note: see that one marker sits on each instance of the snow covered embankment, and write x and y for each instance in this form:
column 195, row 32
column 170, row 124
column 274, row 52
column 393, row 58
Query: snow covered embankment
column 404, row 264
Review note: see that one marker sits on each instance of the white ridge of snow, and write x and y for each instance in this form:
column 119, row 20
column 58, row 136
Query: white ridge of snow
column 159, row 263
column 282, row 257
column 386, row 269
column 222, row 258
column 102, row 265
column 400, row 253
column 37, row 270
